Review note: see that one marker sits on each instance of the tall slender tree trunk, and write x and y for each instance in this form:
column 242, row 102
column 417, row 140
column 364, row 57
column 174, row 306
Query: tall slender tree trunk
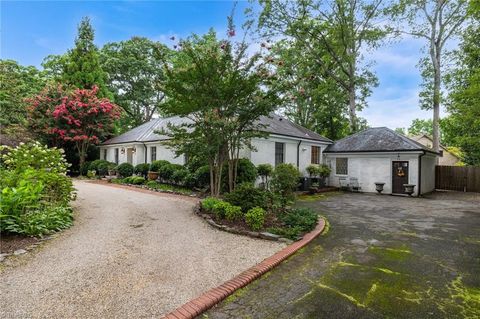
column 435, row 55
column 352, row 105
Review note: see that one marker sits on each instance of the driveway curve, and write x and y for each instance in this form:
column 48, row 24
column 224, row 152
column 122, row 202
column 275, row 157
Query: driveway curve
column 130, row 254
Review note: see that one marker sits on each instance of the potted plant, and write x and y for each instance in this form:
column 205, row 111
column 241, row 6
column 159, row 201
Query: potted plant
column 313, row 188
column 314, row 171
column 324, row 171
column 379, row 187
column 409, row 189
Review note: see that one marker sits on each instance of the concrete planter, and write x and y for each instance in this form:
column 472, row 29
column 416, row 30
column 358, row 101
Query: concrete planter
column 152, row 176
column 379, row 187
column 409, row 189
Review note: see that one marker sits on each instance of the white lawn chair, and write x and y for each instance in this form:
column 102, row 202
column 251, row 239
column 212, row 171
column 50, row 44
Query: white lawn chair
column 343, row 183
column 354, row 185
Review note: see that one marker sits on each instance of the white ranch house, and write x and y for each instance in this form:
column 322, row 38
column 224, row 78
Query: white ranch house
column 373, row 155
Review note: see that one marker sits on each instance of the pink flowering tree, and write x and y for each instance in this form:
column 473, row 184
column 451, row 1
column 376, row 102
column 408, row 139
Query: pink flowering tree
column 77, row 117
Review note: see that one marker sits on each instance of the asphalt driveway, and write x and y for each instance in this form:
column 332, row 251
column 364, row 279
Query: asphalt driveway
column 129, row 255
column 383, row 257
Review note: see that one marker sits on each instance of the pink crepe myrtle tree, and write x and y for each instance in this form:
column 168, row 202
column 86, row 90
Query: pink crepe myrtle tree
column 78, row 116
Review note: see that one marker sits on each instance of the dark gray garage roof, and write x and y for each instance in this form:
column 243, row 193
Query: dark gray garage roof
column 376, row 139
column 274, row 124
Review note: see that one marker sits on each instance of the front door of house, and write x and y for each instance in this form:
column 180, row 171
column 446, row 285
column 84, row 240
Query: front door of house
column 399, row 176
column 130, row 155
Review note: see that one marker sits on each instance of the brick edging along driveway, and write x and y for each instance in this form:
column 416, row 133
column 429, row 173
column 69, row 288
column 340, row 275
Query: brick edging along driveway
column 210, row 298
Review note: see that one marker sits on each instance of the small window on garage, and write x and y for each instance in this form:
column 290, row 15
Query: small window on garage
column 279, row 153
column 341, row 166
column 315, row 154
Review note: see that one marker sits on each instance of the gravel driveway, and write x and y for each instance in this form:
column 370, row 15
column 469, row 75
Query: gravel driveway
column 129, row 254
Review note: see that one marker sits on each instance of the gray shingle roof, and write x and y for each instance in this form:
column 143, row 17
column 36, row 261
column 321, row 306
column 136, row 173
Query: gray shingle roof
column 275, row 124
column 376, row 139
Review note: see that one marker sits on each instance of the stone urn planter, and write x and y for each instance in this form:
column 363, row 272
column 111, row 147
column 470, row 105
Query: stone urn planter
column 112, row 172
column 152, row 176
column 379, row 187
column 313, row 189
column 409, row 189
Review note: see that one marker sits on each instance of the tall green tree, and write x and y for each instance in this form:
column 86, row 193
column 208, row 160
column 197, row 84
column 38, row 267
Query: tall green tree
column 221, row 92
column 134, row 73
column 310, row 99
column 435, row 22
column 17, row 83
column 464, row 99
column 80, row 67
column 336, row 34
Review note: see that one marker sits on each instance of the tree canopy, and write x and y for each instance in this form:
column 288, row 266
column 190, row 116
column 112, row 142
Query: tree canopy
column 222, row 92
column 134, row 75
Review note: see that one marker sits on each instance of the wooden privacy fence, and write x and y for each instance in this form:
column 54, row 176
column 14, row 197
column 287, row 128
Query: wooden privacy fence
column 458, row 178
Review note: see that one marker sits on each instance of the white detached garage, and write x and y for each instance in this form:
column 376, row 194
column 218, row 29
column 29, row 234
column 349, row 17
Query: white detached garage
column 380, row 155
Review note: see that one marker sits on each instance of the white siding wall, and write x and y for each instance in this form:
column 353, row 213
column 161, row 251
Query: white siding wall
column 374, row 167
column 428, row 173
column 265, row 152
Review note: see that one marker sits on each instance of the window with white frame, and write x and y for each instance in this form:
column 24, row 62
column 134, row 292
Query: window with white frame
column 279, row 153
column 153, row 153
column 341, row 166
column 105, row 154
column 116, row 156
column 315, row 155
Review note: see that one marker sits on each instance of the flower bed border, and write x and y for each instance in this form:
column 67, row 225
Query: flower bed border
column 233, row 230
column 207, row 300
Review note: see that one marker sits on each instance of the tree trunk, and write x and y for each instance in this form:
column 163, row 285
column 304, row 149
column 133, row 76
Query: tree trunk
column 82, row 150
column 435, row 55
column 352, row 105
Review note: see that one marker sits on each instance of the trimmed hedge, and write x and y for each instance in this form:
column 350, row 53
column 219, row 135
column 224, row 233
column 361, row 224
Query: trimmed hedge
column 125, row 169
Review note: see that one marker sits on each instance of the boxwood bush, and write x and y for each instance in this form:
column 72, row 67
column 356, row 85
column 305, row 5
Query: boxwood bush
column 156, row 165
column 135, row 180
column 247, row 196
column 125, row 169
column 255, row 218
column 142, row 169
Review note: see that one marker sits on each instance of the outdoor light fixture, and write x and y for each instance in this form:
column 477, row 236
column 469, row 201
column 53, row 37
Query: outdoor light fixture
column 122, row 150
column 134, row 150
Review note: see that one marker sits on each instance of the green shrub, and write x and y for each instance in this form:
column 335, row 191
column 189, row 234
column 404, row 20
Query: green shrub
column 190, row 181
column 135, row 180
column 202, row 176
column 166, row 171
column 39, row 222
column 324, row 171
column 265, row 171
column 84, row 168
column 156, row 165
column 247, row 196
column 194, row 163
column 125, row 169
column 233, row 212
column 285, row 181
column 142, row 169
column 34, row 155
column 292, row 233
column 35, row 190
column 171, row 188
column 209, row 203
column 180, row 175
column 220, row 209
column 246, row 173
column 303, row 218
column 104, row 167
column 255, row 218
column 91, row 173
column 313, row 170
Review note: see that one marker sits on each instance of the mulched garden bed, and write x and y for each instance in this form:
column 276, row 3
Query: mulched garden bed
column 12, row 242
